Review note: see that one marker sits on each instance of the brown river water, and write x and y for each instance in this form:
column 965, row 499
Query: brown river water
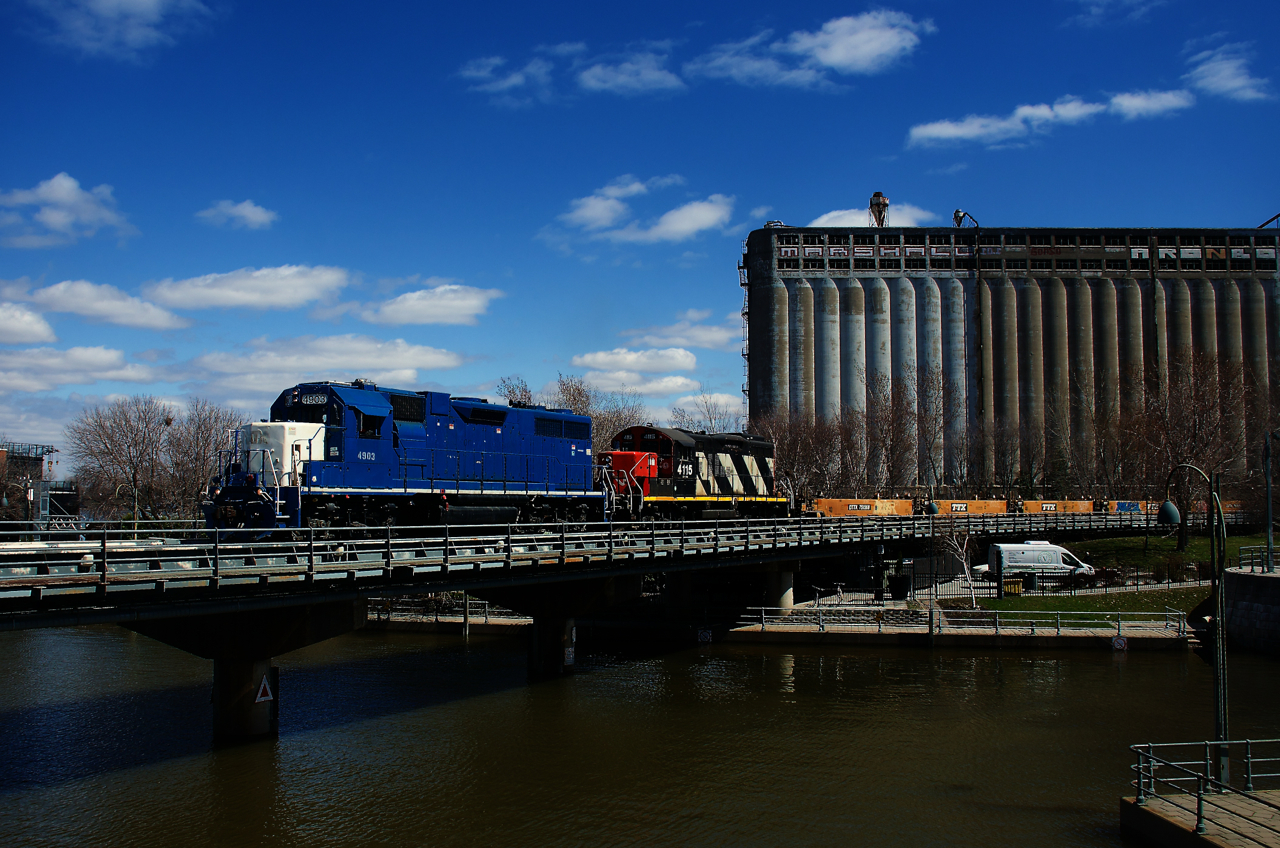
column 397, row 739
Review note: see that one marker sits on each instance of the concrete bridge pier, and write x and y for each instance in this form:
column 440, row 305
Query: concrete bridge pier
column 246, row 703
column 677, row 594
column 780, row 588
column 552, row 645
column 246, row 687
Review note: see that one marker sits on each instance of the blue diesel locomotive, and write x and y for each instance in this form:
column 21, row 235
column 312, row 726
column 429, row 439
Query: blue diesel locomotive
column 354, row 453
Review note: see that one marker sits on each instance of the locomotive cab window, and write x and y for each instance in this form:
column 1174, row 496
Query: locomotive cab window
column 369, row 426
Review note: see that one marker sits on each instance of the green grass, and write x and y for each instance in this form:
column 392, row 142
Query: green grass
column 1154, row 600
column 1155, row 553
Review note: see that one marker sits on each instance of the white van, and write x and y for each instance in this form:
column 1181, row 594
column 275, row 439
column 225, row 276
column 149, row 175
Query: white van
column 1039, row 558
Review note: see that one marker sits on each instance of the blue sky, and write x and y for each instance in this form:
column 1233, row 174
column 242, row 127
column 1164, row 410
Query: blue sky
column 222, row 198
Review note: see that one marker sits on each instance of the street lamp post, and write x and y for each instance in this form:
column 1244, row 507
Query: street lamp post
column 1217, row 564
column 1266, row 468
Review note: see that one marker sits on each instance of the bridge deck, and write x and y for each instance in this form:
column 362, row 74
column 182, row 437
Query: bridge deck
column 113, row 576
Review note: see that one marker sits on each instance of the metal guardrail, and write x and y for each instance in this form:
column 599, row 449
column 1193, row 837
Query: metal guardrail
column 1191, row 787
column 105, row 566
column 1030, row 622
column 837, row 618
column 1045, row 621
column 434, row 607
column 1254, row 558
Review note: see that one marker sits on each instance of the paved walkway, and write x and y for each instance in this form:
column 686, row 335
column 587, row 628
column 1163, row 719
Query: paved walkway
column 1232, row 820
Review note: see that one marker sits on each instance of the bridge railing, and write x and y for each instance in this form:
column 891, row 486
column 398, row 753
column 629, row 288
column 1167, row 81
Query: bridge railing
column 103, row 560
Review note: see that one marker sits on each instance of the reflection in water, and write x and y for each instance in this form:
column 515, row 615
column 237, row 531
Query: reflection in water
column 391, row 739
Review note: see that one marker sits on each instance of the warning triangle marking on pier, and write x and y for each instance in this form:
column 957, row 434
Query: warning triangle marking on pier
column 264, row 691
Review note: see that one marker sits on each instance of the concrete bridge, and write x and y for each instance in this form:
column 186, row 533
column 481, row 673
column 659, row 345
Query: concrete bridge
column 241, row 601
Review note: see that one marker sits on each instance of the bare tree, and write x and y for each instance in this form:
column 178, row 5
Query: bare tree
column 118, row 451
column 1008, row 460
column 955, row 541
column 958, row 437
column 191, row 451
column 707, row 415
column 610, row 411
column 902, row 443
column 933, row 415
column 806, row 461
column 851, row 436
column 515, row 390
column 142, row 456
column 1196, row 420
column 879, row 431
column 1033, row 458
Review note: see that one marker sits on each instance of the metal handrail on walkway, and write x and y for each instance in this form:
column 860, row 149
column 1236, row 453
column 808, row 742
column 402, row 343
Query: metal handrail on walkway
column 1040, row 621
column 845, row 617
column 1030, row 622
column 1193, row 779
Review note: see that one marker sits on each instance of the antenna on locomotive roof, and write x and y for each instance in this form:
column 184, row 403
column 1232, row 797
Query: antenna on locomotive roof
column 878, row 210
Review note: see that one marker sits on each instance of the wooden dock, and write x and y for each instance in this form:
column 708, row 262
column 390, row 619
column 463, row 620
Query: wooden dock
column 1232, row 820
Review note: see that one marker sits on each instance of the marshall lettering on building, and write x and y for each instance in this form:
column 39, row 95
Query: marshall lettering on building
column 1040, row 333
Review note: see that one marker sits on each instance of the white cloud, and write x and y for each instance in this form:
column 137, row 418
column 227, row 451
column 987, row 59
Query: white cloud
column 745, row 63
column 58, row 211
column 760, row 211
column 991, row 129
column 595, row 212
column 612, row 381
column 245, row 214
column 517, row 88
column 681, row 223
column 691, row 402
column 859, row 44
column 900, row 215
column 118, row 28
column 628, row 186
column 605, row 208
column 105, row 303
column 281, row 287
column 442, row 302
column 621, row 359
column 688, row 332
column 1098, row 12
column 566, row 48
column 482, row 68
column 20, row 325
column 1149, row 104
column 1225, row 71
column 266, row 366
column 42, row 368
column 639, row 73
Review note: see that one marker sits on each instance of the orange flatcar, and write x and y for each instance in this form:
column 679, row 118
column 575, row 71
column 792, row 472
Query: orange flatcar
column 1056, row 506
column 972, row 507
column 859, row 508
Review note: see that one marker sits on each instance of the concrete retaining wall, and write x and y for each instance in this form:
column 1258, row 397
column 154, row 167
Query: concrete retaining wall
column 1253, row 611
